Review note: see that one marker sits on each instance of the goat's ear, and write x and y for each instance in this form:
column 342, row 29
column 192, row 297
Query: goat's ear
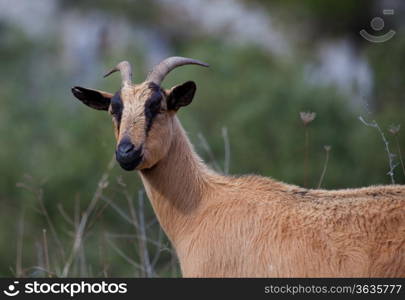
column 181, row 95
column 95, row 99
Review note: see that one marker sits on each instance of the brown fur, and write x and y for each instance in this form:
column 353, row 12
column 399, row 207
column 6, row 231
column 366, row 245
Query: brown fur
column 251, row 226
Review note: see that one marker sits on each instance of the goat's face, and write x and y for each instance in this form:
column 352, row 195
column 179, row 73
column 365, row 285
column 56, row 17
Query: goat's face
column 142, row 115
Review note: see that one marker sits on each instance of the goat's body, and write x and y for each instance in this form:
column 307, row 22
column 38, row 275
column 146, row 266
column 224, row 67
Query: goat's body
column 285, row 231
column 253, row 226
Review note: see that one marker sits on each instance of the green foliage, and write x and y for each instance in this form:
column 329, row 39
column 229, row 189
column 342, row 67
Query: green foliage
column 259, row 100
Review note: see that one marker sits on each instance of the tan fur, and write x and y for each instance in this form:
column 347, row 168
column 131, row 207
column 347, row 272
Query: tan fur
column 251, row 226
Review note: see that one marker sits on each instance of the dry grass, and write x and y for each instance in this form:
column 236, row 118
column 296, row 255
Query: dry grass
column 69, row 258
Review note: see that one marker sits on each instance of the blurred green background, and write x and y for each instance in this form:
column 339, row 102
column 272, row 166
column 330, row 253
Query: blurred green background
column 270, row 60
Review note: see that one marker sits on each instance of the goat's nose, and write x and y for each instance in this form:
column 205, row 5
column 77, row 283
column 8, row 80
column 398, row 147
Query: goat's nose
column 125, row 147
column 128, row 156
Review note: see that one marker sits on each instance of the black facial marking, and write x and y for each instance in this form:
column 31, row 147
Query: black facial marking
column 116, row 107
column 152, row 105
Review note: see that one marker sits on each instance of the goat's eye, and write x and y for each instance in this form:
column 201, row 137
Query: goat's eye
column 154, row 106
column 116, row 113
column 115, row 109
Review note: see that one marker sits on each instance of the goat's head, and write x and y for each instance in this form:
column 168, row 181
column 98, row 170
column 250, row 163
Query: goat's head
column 142, row 113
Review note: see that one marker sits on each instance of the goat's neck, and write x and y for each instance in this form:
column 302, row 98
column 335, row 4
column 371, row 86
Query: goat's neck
column 175, row 184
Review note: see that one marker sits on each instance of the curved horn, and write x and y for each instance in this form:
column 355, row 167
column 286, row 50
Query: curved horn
column 126, row 71
column 159, row 72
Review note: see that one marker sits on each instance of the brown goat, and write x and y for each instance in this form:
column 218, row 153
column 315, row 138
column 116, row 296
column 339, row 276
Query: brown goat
column 249, row 226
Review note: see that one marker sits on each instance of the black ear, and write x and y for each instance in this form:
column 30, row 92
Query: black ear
column 95, row 99
column 181, row 95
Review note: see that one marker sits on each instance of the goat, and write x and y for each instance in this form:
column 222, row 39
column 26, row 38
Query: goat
column 247, row 226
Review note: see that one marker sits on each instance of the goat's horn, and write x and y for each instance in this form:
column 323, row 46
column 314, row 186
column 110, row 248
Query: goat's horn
column 159, row 72
column 125, row 69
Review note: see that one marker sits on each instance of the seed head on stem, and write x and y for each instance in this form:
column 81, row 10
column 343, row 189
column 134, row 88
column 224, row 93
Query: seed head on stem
column 306, row 118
